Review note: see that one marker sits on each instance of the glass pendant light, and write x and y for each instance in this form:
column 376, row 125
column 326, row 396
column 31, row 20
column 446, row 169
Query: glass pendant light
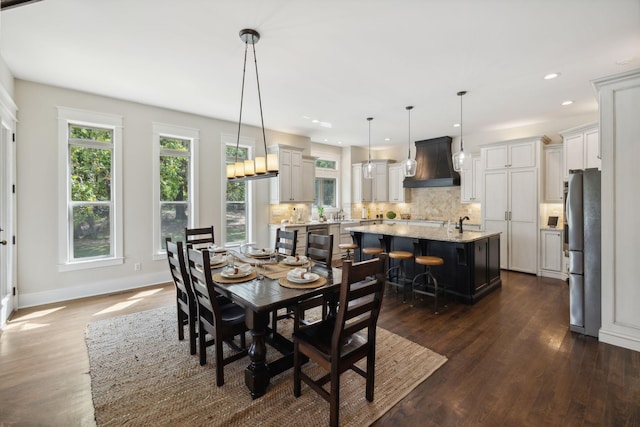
column 458, row 158
column 410, row 164
column 369, row 169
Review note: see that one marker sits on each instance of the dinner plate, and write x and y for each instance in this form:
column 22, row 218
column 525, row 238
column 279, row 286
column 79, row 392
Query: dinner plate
column 262, row 253
column 308, row 278
column 216, row 249
column 242, row 271
column 290, row 260
column 218, row 259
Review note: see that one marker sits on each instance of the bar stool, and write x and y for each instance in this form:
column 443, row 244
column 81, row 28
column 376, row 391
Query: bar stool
column 349, row 247
column 423, row 288
column 401, row 274
column 372, row 251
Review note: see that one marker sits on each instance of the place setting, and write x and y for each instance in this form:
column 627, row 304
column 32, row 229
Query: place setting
column 236, row 273
column 302, row 278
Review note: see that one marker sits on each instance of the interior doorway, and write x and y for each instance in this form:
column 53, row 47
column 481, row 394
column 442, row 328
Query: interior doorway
column 7, row 298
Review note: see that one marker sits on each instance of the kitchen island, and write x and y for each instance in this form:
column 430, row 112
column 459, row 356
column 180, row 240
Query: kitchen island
column 471, row 259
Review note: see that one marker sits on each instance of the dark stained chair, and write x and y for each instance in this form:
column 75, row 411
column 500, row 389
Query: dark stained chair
column 198, row 238
column 222, row 322
column 337, row 343
column 185, row 299
column 286, row 242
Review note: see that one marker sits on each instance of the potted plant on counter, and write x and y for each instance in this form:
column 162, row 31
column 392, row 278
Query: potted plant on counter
column 321, row 216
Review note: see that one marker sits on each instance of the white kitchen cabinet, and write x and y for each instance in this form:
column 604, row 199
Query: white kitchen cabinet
column 296, row 179
column 581, row 148
column 551, row 256
column 553, row 174
column 511, row 205
column 397, row 192
column 370, row 190
column 472, row 177
column 522, row 153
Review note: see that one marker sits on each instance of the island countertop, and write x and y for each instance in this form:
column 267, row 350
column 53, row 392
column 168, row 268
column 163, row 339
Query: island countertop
column 421, row 232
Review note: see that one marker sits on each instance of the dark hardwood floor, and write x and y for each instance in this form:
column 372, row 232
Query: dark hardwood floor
column 512, row 361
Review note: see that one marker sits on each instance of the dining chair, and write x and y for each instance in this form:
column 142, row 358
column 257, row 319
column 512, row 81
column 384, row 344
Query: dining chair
column 337, row 343
column 285, row 245
column 286, row 242
column 198, row 238
column 320, row 251
column 185, row 299
column 222, row 322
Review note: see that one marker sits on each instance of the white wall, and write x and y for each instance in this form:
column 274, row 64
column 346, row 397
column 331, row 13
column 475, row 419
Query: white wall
column 38, row 278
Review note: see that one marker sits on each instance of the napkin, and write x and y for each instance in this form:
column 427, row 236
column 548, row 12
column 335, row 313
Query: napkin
column 296, row 259
column 298, row 273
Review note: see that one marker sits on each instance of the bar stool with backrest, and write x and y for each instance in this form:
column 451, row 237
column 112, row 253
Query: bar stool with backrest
column 430, row 280
column 401, row 273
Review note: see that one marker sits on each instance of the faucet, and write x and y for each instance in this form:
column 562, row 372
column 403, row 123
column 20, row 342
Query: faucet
column 460, row 223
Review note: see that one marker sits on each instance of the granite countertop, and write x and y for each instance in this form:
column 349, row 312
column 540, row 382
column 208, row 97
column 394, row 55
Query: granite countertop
column 426, row 233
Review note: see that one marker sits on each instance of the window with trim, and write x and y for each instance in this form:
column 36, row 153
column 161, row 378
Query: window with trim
column 237, row 201
column 174, row 182
column 90, row 229
column 326, row 184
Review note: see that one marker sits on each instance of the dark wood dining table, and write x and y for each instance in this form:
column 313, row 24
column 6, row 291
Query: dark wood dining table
column 260, row 297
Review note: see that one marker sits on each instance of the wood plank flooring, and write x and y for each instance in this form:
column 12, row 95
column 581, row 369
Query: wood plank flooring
column 512, row 361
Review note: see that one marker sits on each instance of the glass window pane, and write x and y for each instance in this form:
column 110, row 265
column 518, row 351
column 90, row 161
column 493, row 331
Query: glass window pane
column 91, row 231
column 325, row 164
column 90, row 174
column 90, row 133
column 174, row 143
column 236, row 222
column 325, row 192
column 243, row 154
column 174, row 218
column 174, row 178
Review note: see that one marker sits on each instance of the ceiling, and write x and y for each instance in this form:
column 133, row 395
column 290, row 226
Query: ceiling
column 327, row 65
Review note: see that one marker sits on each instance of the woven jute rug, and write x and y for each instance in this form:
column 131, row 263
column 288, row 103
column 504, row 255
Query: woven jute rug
column 142, row 375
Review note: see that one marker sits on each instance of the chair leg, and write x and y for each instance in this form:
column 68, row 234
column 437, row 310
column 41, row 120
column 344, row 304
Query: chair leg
column 219, row 363
column 334, row 397
column 192, row 335
column 180, row 323
column 202, row 342
column 296, row 371
column 371, row 373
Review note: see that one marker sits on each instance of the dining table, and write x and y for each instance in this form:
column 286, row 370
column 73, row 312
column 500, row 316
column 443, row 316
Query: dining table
column 260, row 295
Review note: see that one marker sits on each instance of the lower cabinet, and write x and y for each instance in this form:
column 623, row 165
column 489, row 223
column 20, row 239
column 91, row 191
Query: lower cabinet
column 551, row 257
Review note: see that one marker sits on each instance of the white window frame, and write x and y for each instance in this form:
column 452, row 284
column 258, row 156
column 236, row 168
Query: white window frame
column 249, row 144
column 68, row 116
column 178, row 132
column 329, row 173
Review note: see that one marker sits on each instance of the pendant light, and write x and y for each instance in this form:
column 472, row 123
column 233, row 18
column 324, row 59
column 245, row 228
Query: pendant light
column 410, row 165
column 263, row 166
column 458, row 158
column 369, row 169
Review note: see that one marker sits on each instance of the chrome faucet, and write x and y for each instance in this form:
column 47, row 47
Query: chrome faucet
column 460, row 223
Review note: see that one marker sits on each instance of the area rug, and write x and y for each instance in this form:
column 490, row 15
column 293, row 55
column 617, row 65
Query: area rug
column 142, row 375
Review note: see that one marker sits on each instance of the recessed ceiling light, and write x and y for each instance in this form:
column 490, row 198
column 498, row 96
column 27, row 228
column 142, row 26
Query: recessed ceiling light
column 456, row 125
column 306, row 117
column 387, row 139
column 315, row 121
column 326, row 124
column 326, row 140
column 551, row 76
column 567, row 102
column 339, row 142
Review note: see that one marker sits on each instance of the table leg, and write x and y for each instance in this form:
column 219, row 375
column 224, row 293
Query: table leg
column 256, row 376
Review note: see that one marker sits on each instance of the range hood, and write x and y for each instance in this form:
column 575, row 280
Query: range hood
column 435, row 166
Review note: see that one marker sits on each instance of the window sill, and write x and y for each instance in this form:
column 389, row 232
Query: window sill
column 84, row 265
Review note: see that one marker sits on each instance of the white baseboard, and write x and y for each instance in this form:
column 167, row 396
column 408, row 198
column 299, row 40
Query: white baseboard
column 619, row 340
column 92, row 289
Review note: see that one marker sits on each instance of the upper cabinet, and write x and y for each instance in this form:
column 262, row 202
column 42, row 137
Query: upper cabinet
column 471, row 179
column 553, row 174
column 515, row 155
column 581, row 148
column 370, row 190
column 397, row 192
column 296, row 176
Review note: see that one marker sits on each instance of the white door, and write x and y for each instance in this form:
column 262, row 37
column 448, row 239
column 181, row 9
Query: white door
column 523, row 227
column 6, row 288
column 495, row 210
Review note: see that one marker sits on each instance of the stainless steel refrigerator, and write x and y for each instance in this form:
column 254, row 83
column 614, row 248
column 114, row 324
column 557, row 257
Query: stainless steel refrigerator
column 583, row 218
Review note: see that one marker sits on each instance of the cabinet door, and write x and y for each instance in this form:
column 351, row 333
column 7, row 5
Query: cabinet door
column 295, row 177
column 380, row 185
column 495, row 157
column 284, row 175
column 551, row 253
column 573, row 153
column 360, row 187
column 478, row 181
column 495, row 209
column 522, row 155
column 553, row 180
column 466, row 181
column 523, row 214
column 592, row 150
column 396, row 178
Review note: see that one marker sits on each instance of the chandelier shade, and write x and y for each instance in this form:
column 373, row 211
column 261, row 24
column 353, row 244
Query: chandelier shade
column 369, row 169
column 410, row 165
column 458, row 158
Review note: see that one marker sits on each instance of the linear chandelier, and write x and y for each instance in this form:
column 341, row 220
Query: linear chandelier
column 410, row 165
column 458, row 158
column 261, row 167
column 369, row 169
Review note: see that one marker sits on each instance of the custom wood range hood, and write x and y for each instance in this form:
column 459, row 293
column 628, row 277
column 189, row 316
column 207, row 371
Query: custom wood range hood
column 435, row 166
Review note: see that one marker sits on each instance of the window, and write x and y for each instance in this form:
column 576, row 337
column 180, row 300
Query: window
column 238, row 205
column 326, row 185
column 174, row 183
column 90, row 228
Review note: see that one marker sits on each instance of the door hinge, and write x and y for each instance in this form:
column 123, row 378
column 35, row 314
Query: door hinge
column 14, row 291
column 13, row 240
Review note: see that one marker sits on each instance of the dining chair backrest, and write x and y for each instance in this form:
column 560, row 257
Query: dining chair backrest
column 198, row 238
column 286, row 242
column 202, row 283
column 320, row 248
column 186, row 303
column 361, row 293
